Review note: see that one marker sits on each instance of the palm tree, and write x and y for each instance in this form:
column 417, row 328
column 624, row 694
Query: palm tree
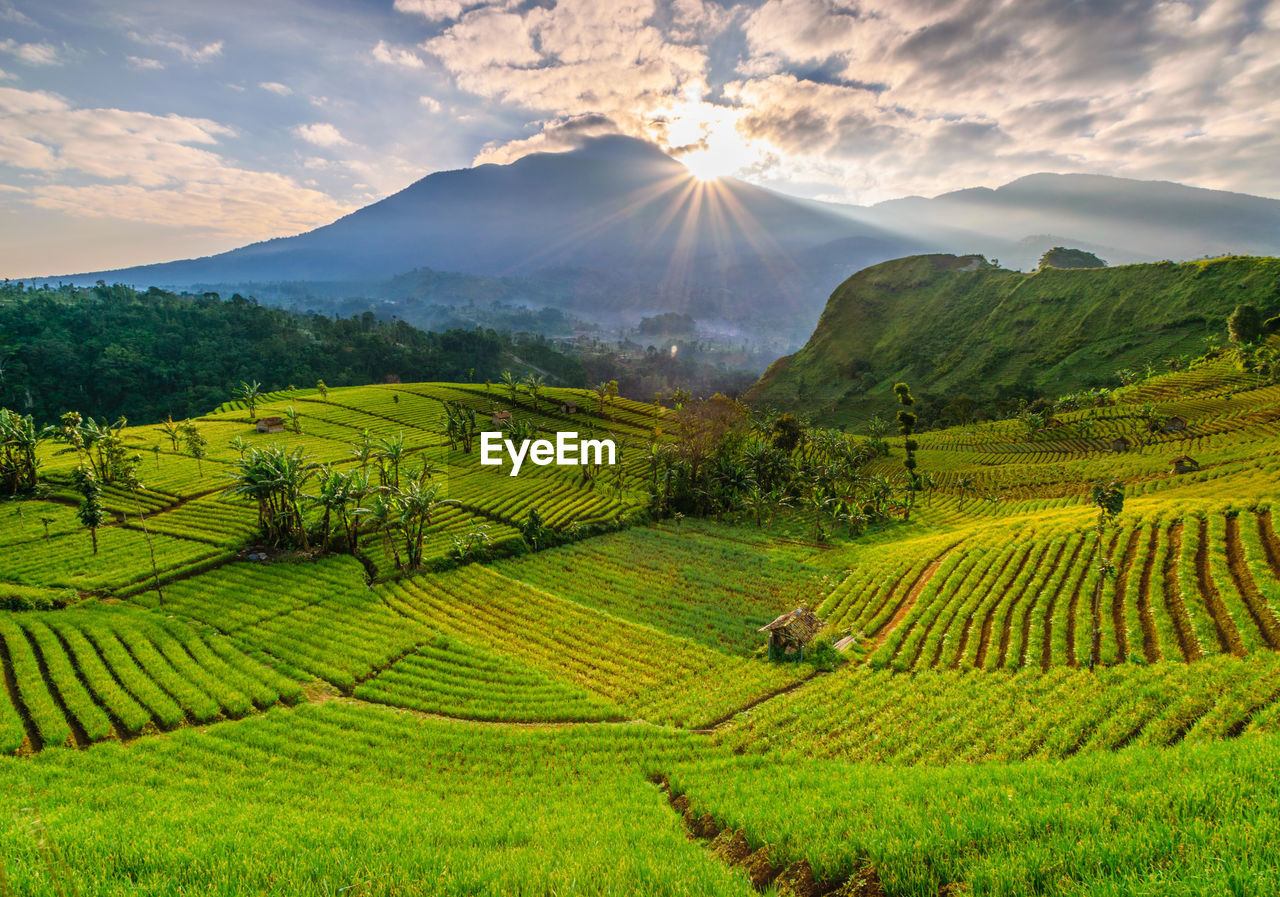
column 601, row 390
column 362, row 451
column 383, row 517
column 294, row 418
column 250, row 394
column 512, row 384
column 417, row 504
column 392, row 451
column 274, row 479
column 535, row 383
column 171, row 430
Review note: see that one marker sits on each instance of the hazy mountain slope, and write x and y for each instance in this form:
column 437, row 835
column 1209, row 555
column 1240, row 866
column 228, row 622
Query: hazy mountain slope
column 618, row 207
column 953, row 325
column 1122, row 219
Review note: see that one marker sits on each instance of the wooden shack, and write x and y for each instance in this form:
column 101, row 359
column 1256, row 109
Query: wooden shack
column 498, row 418
column 1183, row 464
column 270, row 425
column 1121, row 444
column 568, row 406
column 1175, row 424
column 792, row 631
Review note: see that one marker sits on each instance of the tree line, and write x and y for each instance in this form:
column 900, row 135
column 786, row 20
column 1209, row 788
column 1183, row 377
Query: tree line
column 113, row 350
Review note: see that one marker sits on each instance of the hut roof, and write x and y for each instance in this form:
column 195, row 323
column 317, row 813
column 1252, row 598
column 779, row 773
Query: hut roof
column 271, row 420
column 1185, row 458
column 800, row 623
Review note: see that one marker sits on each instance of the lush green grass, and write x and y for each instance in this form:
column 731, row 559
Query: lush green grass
column 1055, row 329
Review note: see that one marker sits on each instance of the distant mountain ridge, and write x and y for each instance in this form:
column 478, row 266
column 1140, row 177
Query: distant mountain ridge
column 627, row 230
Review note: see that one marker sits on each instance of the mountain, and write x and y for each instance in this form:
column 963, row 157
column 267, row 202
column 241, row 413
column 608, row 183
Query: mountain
column 617, row 229
column 959, row 326
column 617, row 215
column 1121, row 219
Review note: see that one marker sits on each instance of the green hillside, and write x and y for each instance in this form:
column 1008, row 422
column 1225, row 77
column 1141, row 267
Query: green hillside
column 516, row 716
column 956, row 326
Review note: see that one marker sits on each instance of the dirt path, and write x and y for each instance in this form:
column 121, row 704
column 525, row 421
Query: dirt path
column 908, row 601
column 1248, row 589
column 1187, row 641
column 1150, row 641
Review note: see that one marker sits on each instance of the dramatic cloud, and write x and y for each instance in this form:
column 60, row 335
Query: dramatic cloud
column 134, row 166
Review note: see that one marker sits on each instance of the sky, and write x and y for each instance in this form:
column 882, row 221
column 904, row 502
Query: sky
column 134, row 131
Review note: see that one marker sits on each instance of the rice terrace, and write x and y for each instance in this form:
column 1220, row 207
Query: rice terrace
column 574, row 676
column 669, row 448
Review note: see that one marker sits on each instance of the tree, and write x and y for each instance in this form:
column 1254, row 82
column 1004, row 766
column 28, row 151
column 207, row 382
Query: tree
column 324, row 390
column 250, row 394
column 1108, row 498
column 1244, row 326
column 392, row 450
column 171, row 430
column 196, row 444
column 295, row 419
column 274, row 479
column 19, row 439
column 1061, row 257
column 601, row 390
column 786, row 433
column 906, row 426
column 512, row 384
column 535, row 383
column 90, row 511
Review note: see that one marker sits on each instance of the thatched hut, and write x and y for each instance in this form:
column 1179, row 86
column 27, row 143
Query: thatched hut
column 1175, row 424
column 792, row 631
column 498, row 418
column 1183, row 464
column 1121, row 444
column 270, row 425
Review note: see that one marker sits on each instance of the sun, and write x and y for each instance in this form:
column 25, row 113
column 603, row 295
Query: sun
column 707, row 165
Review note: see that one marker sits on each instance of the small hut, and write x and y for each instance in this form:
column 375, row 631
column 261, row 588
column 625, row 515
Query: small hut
column 1184, row 464
column 1175, row 424
column 270, row 425
column 792, row 631
column 1121, row 444
column 568, row 406
column 498, row 418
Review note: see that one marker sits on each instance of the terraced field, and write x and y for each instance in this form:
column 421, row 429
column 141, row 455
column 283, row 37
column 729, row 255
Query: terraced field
column 458, row 729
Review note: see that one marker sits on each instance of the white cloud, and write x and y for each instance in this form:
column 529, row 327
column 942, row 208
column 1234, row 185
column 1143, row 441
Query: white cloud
column 276, row 87
column 144, row 63
column 431, row 104
column 32, row 54
column 431, row 10
column 389, row 55
column 7, row 76
column 187, row 51
column 321, row 134
column 136, row 166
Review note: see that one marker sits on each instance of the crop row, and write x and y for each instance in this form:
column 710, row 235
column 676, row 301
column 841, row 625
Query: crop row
column 450, row 677
column 84, row 676
column 945, row 716
column 647, row 673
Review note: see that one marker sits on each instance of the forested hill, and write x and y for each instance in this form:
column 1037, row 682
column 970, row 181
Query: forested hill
column 109, row 350
column 971, row 336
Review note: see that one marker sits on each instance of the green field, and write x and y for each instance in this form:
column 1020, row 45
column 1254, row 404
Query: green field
column 598, row 717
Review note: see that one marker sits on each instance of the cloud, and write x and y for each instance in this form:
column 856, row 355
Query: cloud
column 431, row 10
column 282, row 90
column 191, row 53
column 556, row 136
column 7, row 76
column 136, row 166
column 321, row 134
column 144, row 63
column 389, row 55
column 32, row 54
column 431, row 104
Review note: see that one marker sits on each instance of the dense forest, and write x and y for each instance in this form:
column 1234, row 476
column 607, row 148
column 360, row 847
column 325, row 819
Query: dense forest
column 111, row 350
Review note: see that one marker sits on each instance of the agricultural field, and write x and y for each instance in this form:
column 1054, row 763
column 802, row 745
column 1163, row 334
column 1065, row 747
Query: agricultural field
column 1007, row 696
